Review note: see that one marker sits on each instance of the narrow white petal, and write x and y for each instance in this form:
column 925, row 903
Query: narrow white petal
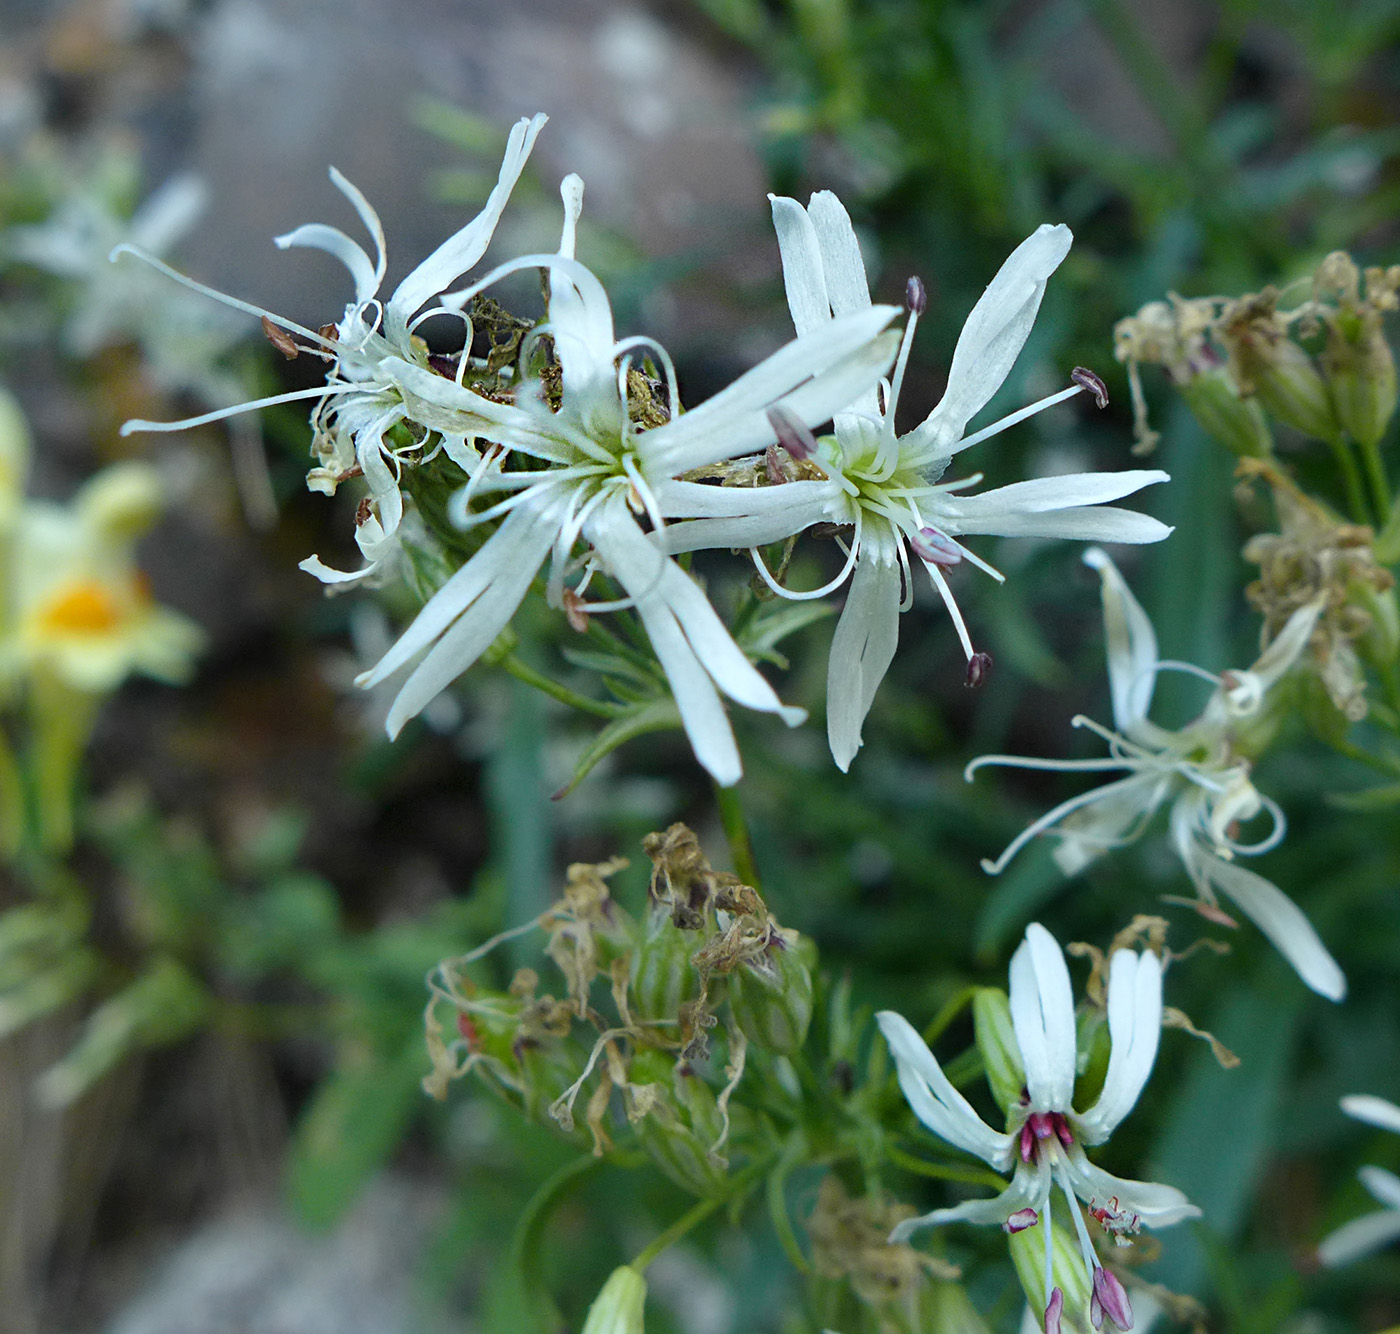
column 169, row 212
column 1374, row 1111
column 1360, row 1237
column 1156, row 1205
column 1024, row 1192
column 742, row 516
column 318, row 236
column 1280, row 919
column 1042, row 1013
column 462, row 250
column 657, row 583
column 571, row 192
column 519, row 545
column 864, row 643
column 1384, row 1186
column 1283, row 652
column 1131, row 643
column 804, row 278
column 327, row 575
column 1134, row 1029
column 842, row 264
column 1056, row 493
column 934, row 1100
column 997, row 329
column 1101, row 523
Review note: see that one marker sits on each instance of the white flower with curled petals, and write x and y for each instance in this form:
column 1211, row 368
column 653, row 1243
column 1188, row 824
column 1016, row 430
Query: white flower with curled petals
column 588, row 475
column 361, row 402
column 1370, row 1232
column 886, row 487
column 1045, row 1137
column 1202, row 772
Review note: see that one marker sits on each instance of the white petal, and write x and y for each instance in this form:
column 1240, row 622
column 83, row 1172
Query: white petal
column 1384, row 1186
column 1360, row 1237
column 169, row 213
column 461, row 251
column 815, row 375
column 935, row 1101
column 1042, row 1013
column 1024, row 1192
column 327, row 575
column 656, row 583
column 804, row 277
column 1374, row 1111
column 571, row 191
column 842, row 264
column 517, row 547
column 1283, row 652
column 997, row 329
column 1156, row 1205
column 1280, row 919
column 1131, row 643
column 864, row 643
column 318, row 236
column 1102, row 523
column 1134, row 1029
column 1056, row 493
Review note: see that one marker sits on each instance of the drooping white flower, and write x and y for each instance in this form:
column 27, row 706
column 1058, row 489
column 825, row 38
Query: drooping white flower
column 888, row 488
column 1371, row 1231
column 361, row 403
column 1044, row 1142
column 1202, row 772
column 593, row 474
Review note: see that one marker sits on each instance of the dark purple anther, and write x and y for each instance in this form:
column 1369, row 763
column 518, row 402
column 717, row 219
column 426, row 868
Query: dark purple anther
column 979, row 668
column 1090, row 383
column 1052, row 1312
column 1021, row 1220
column 1110, row 1300
column 915, row 297
column 794, row 435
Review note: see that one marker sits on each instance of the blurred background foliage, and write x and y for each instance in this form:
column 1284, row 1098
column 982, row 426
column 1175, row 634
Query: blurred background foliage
column 259, row 882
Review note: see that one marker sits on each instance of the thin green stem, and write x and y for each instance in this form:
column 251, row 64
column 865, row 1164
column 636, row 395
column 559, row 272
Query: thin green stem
column 736, row 830
column 1351, row 480
column 695, row 1215
column 12, row 802
column 522, row 671
column 1375, row 472
column 947, row 1014
column 971, row 1176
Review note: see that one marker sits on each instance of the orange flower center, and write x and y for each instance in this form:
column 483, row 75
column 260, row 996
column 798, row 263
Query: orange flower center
column 85, row 608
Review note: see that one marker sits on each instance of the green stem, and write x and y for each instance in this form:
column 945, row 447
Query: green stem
column 1380, row 484
column 1351, row 480
column 62, row 723
column 972, row 1176
column 947, row 1014
column 695, row 1215
column 522, row 671
column 736, row 830
column 11, row 801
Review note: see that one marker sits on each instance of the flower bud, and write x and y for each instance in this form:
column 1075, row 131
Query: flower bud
column 681, row 1128
column 663, row 976
column 1237, row 423
column 1360, row 371
column 771, row 994
column 617, row 1309
column 1068, row 1273
column 123, row 502
column 1268, row 363
column 1379, row 643
column 996, row 1040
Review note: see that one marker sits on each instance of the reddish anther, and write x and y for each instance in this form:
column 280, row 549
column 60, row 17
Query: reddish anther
column 1021, row 1220
column 794, row 435
column 916, row 295
column 1090, row 383
column 1052, row 1312
column 979, row 668
column 1109, row 1300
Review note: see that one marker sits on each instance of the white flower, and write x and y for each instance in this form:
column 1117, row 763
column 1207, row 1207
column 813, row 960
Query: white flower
column 1045, row 1137
column 1371, row 1231
column 1202, row 771
column 888, row 487
column 594, row 474
column 360, row 403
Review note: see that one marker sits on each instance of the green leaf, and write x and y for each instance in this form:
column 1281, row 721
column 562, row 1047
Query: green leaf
column 657, row 716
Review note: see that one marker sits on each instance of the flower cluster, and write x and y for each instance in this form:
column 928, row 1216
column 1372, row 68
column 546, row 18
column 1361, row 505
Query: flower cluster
column 576, row 455
column 1372, row 1231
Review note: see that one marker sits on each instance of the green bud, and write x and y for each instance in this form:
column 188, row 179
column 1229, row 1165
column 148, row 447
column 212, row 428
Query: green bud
column 680, row 1130
column 1379, row 644
column 1068, row 1274
column 1237, row 423
column 663, row 976
column 618, row 1308
column 1360, row 371
column 771, row 995
column 996, row 1040
column 1291, row 388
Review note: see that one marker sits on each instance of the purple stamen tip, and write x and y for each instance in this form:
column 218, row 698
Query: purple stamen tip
column 1021, row 1220
column 916, row 296
column 1052, row 1312
column 936, row 548
column 979, row 668
column 794, row 435
column 1090, row 383
column 1111, row 1299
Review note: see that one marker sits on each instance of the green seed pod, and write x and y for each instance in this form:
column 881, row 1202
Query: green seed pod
column 1379, row 644
column 1360, row 371
column 680, row 1130
column 1237, row 423
column 770, row 995
column 996, row 1040
column 1291, row 388
column 1069, row 1274
column 663, row 976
